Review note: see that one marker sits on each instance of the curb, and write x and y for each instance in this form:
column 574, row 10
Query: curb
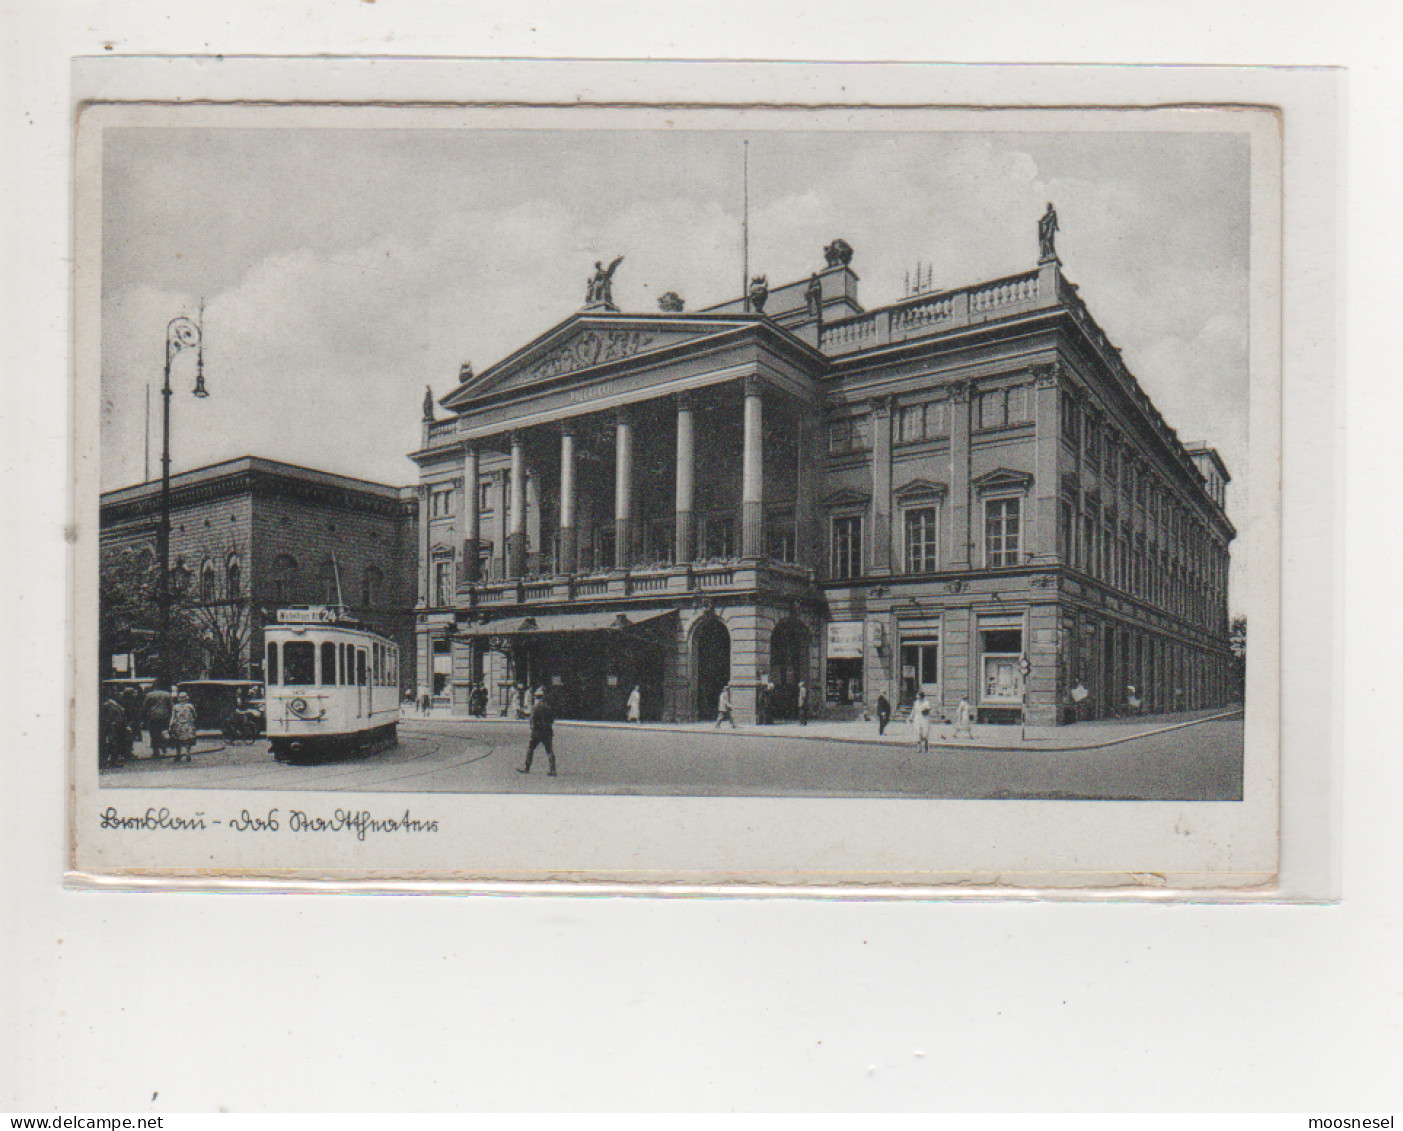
column 759, row 732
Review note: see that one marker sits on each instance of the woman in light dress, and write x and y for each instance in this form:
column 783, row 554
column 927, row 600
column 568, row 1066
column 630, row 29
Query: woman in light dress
column 920, row 721
column 182, row 727
column 635, row 705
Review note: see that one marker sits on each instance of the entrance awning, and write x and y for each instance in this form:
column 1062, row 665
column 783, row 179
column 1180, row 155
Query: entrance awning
column 564, row 622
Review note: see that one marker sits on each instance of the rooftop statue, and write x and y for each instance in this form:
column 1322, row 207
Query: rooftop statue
column 759, row 292
column 428, row 402
column 838, row 254
column 1047, row 235
column 600, row 291
column 671, row 303
column 813, row 296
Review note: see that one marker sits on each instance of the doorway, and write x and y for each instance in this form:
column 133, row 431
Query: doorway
column 711, row 650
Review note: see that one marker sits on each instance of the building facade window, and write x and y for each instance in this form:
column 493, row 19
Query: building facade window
column 926, row 421
column 233, row 576
column 328, row 584
column 440, row 502
column 920, row 538
column 999, row 408
column 443, row 580
column 780, row 542
column 846, row 552
column 284, row 579
column 1002, row 531
column 848, row 435
column 371, row 585
column 208, row 585
column 718, row 536
column 1000, row 650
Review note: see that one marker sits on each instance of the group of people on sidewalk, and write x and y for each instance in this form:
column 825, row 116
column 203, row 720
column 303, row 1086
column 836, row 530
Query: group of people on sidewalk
column 921, row 719
column 764, row 700
column 167, row 717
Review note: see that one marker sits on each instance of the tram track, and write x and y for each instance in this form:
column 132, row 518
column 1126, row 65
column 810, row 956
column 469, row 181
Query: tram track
column 404, row 762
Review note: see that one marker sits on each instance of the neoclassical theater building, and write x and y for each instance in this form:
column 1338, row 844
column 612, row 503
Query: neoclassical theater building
column 965, row 492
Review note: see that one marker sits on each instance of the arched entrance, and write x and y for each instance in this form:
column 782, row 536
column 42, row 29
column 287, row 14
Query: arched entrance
column 711, row 661
column 789, row 664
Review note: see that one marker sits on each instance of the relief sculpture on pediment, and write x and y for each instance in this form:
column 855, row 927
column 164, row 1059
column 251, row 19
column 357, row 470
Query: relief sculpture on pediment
column 592, row 347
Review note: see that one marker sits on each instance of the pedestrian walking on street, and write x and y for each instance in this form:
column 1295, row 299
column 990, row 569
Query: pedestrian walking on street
column 542, row 732
column 803, row 703
column 114, row 733
column 182, row 728
column 920, row 721
column 1132, row 700
column 762, row 703
column 883, row 712
column 963, row 723
column 424, row 703
column 156, row 713
column 635, row 705
column 723, row 708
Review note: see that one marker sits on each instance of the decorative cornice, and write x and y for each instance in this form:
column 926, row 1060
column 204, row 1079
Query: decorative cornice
column 845, row 497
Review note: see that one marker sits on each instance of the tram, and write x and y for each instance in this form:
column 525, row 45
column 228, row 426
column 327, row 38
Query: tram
column 332, row 686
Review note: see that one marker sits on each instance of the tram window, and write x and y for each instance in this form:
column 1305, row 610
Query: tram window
column 271, row 667
column 328, row 664
column 299, row 663
column 347, row 665
column 360, row 667
column 378, row 662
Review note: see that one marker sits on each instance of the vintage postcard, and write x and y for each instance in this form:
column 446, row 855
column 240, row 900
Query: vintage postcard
column 800, row 496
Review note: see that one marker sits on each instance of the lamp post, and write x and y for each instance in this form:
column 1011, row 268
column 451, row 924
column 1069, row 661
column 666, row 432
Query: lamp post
column 181, row 334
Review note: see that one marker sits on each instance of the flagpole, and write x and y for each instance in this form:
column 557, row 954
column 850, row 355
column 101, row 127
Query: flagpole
column 745, row 227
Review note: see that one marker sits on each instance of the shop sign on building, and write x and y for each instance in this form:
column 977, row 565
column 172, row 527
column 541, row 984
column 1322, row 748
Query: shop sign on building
column 845, row 640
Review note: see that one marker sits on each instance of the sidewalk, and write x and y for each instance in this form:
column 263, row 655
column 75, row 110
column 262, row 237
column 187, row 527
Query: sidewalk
column 1073, row 736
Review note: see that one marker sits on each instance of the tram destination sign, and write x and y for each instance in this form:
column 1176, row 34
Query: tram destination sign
column 317, row 614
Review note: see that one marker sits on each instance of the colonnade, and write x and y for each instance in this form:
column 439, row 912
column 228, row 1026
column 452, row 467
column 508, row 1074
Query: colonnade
column 752, row 540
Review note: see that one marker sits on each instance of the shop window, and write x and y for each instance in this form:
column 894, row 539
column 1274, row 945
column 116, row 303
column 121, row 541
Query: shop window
column 1001, row 649
column 844, row 681
column 1001, row 531
column 442, row 666
column 847, row 546
column 920, row 539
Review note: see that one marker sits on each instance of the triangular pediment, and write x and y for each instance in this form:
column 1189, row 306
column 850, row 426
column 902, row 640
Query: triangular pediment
column 920, row 489
column 588, row 341
column 845, row 497
column 1003, row 478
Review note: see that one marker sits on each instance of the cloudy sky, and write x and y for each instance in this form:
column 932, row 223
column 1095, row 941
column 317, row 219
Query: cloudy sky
column 345, row 269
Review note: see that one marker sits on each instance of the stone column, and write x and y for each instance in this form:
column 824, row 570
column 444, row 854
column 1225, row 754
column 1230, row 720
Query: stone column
column 516, row 529
column 623, row 489
column 1047, row 432
column 881, row 485
column 567, row 497
column 752, row 489
column 472, row 533
column 686, row 519
column 805, row 532
column 425, row 563
column 960, row 501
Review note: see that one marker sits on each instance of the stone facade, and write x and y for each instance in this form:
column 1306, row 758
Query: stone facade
column 269, row 535
column 966, row 492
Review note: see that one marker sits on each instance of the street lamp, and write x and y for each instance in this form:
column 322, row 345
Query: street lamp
column 181, row 334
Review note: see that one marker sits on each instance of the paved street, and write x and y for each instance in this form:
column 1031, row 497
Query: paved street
column 1168, row 758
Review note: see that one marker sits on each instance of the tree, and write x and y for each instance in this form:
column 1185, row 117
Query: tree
column 209, row 630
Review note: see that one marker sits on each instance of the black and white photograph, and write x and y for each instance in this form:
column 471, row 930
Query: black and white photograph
column 457, row 462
